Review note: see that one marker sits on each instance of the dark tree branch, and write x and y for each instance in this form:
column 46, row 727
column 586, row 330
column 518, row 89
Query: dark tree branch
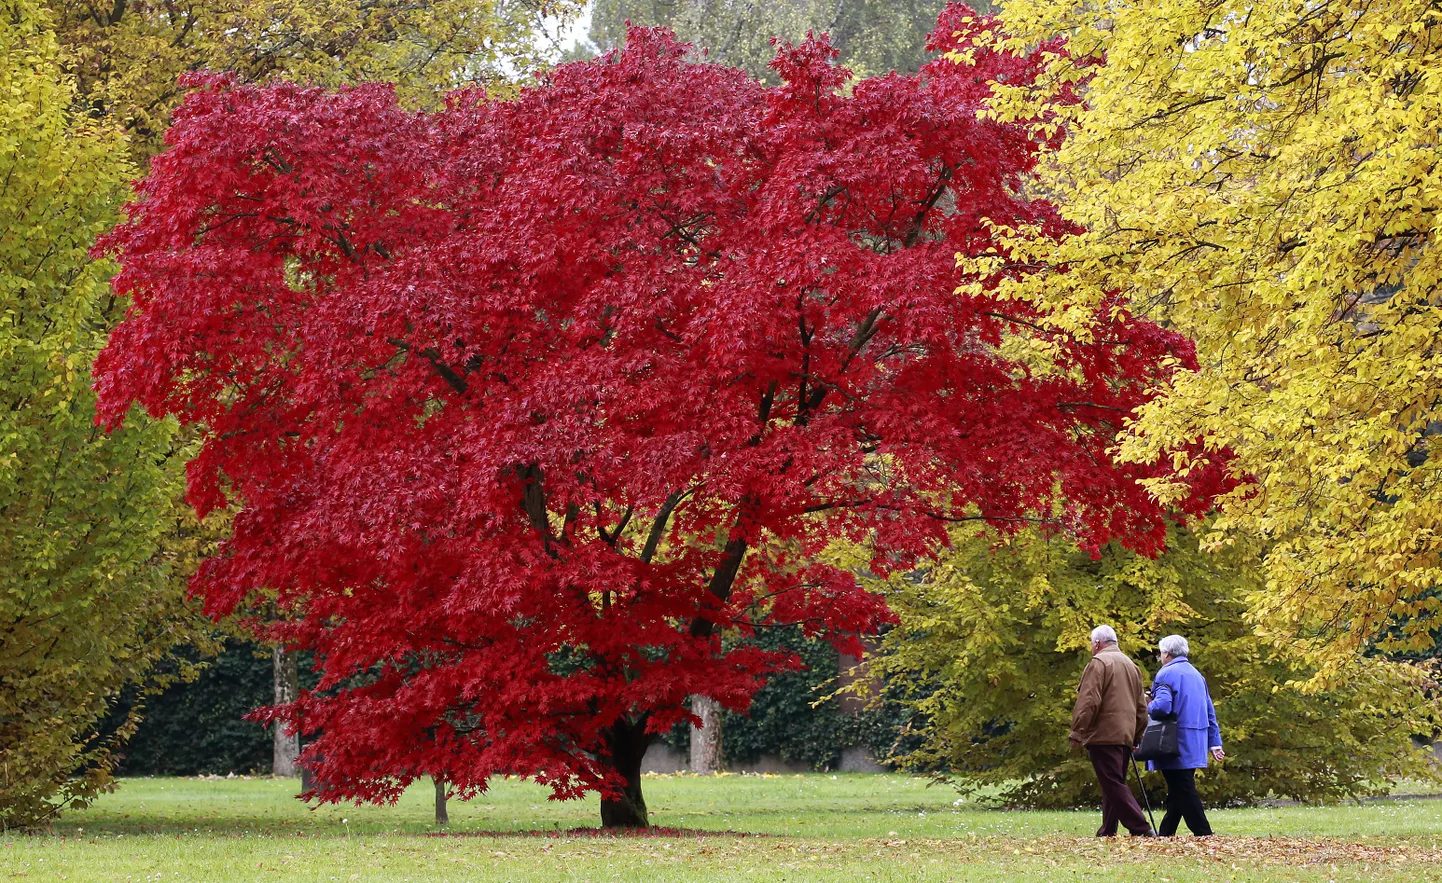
column 1073, row 405
column 768, row 399
column 919, row 223
column 533, row 501
column 725, row 576
column 836, row 504
column 658, row 527
column 432, row 355
column 615, row 534
column 865, row 330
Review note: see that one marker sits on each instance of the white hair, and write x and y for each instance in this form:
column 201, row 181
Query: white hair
column 1173, row 645
column 1104, row 634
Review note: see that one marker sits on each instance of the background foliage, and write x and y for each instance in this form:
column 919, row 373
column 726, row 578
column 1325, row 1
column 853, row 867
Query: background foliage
column 1298, row 254
column 797, row 716
column 129, row 54
column 873, row 36
column 995, row 636
column 199, row 727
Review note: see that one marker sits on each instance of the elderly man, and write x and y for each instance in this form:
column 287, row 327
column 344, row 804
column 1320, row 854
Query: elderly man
column 1110, row 714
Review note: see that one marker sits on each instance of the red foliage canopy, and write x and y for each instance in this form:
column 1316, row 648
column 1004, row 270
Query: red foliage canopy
column 519, row 399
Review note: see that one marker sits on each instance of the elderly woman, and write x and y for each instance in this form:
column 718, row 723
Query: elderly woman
column 1180, row 690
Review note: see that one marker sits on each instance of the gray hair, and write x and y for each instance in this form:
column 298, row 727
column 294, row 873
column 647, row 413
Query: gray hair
column 1104, row 634
column 1173, row 645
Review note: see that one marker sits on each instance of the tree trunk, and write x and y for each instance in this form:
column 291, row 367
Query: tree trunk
column 706, row 739
column 627, row 742
column 849, row 671
column 442, row 817
column 287, row 687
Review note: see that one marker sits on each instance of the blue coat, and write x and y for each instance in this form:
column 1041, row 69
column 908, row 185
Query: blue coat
column 1180, row 689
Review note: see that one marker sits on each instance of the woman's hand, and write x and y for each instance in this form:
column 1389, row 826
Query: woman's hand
column 1219, row 754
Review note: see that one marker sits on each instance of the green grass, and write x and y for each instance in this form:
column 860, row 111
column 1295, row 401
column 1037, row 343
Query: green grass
column 741, row 828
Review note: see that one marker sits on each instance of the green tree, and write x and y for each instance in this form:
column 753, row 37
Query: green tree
column 873, row 36
column 88, row 604
column 994, row 638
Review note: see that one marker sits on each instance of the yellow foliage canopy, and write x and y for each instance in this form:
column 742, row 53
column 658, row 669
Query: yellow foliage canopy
column 127, row 54
column 1263, row 176
column 89, row 605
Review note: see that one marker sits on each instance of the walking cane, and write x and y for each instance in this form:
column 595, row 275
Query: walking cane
column 1146, row 801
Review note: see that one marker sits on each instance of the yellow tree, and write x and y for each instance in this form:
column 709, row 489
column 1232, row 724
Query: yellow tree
column 1263, row 175
column 88, row 602
column 128, row 54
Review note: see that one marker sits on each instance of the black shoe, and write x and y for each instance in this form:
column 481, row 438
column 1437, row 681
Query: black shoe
column 1147, row 833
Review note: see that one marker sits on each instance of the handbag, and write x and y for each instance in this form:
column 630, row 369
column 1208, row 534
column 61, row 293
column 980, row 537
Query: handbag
column 1160, row 740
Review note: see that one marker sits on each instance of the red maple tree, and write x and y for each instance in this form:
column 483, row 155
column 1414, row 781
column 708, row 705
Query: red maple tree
column 521, row 402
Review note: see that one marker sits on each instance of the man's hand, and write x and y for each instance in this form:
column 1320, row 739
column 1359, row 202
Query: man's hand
column 1219, row 754
column 1076, row 745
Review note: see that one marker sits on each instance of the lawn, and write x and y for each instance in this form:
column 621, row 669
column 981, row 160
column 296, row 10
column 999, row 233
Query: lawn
column 737, row 828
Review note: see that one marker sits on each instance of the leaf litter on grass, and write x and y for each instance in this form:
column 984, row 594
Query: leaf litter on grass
column 1288, row 851
column 1090, row 851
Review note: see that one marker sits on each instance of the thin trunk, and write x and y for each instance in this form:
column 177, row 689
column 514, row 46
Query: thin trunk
column 287, row 687
column 442, row 817
column 706, row 739
column 849, row 671
column 626, row 742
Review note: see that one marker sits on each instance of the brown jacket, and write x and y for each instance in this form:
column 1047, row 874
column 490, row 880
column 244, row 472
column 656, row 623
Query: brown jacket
column 1110, row 706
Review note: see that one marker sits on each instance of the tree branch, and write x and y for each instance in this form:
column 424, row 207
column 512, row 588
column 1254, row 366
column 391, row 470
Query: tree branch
column 658, row 527
column 615, row 534
column 432, row 355
column 533, row 501
column 865, row 330
column 725, row 575
column 919, row 223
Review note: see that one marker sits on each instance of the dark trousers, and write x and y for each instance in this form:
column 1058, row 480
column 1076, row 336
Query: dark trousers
column 1183, row 802
column 1118, row 803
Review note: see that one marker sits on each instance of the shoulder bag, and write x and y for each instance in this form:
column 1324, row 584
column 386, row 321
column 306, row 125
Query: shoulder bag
column 1160, row 740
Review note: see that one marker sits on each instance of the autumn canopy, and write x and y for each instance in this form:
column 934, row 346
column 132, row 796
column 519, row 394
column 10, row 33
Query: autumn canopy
column 521, row 403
